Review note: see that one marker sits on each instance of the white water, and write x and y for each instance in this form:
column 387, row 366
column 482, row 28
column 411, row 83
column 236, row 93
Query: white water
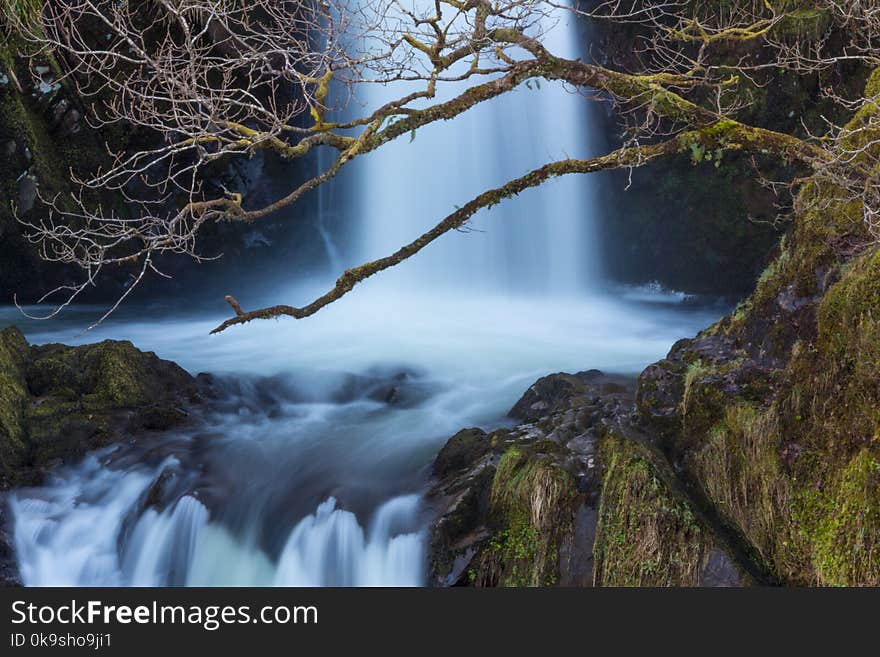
column 541, row 241
column 309, row 477
column 69, row 535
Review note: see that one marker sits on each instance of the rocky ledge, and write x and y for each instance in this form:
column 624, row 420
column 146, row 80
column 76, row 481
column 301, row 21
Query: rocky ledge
column 751, row 453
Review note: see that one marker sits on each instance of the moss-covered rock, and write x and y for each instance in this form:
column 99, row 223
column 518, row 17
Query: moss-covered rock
column 56, row 402
column 532, row 503
column 13, row 398
column 779, row 431
column 649, row 533
column 571, row 497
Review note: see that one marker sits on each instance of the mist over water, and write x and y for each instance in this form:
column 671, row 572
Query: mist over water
column 309, row 466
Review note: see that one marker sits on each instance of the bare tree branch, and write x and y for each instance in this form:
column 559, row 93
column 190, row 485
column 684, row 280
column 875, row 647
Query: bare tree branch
column 207, row 81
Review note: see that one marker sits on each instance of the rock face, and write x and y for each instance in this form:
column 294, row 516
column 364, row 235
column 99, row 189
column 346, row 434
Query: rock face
column 752, row 448
column 775, row 414
column 574, row 496
column 57, row 402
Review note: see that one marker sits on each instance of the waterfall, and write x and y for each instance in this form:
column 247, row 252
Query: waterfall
column 326, row 216
column 542, row 241
column 330, row 548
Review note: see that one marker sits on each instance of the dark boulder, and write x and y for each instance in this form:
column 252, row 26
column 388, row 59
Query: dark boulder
column 57, row 402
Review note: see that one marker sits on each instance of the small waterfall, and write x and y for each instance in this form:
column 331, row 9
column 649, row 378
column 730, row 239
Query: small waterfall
column 162, row 548
column 541, row 242
column 330, row 548
column 88, row 527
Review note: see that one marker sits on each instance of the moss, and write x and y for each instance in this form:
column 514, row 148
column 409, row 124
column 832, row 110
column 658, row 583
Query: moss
column 26, row 11
column 872, row 88
column 847, row 537
column 532, row 505
column 50, row 156
column 741, row 474
column 803, row 24
column 57, row 402
column 793, row 477
column 109, row 374
column 13, row 398
column 794, row 472
column 647, row 534
column 28, row 122
column 851, row 310
column 702, row 401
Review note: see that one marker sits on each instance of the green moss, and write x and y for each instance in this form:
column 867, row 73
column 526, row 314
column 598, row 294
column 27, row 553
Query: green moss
column 872, row 88
column 57, row 402
column 647, row 534
column 847, row 537
column 25, row 11
column 795, row 476
column 702, row 402
column 741, row 475
column 804, row 24
column 106, row 375
column 51, row 157
column 851, row 310
column 532, row 504
column 13, row 398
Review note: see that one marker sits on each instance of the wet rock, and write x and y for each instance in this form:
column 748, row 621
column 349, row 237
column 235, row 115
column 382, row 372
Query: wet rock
column 558, row 392
column 64, row 118
column 70, row 123
column 547, row 502
column 464, row 449
column 404, row 388
column 659, row 393
column 160, row 493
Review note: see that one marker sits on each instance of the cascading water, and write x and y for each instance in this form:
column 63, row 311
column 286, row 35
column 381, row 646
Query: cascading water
column 541, row 242
column 307, row 466
column 70, row 536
